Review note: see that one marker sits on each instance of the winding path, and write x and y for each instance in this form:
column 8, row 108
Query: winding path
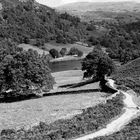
column 129, row 113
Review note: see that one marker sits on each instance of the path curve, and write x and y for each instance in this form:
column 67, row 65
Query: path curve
column 129, row 113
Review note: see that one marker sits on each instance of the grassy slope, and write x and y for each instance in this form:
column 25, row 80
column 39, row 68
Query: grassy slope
column 130, row 132
column 129, row 75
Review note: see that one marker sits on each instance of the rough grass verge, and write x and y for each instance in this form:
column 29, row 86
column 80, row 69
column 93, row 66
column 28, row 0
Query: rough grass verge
column 130, row 132
column 129, row 76
column 92, row 119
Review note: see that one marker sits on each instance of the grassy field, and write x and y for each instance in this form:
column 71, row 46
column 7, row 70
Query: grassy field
column 70, row 77
column 48, row 109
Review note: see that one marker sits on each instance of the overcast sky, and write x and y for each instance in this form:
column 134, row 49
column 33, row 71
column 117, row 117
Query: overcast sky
column 54, row 3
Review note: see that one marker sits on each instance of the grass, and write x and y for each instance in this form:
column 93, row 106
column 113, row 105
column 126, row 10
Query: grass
column 26, row 47
column 130, row 132
column 70, row 77
column 90, row 120
column 49, row 109
column 129, row 75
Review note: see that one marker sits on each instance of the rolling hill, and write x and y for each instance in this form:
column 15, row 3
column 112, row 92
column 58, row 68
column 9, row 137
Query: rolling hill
column 100, row 11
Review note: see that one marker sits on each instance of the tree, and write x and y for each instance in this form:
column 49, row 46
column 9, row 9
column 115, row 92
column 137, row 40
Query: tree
column 63, row 51
column 23, row 71
column 97, row 64
column 75, row 51
column 54, row 53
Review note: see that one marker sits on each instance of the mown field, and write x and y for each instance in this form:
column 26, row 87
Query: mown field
column 49, row 109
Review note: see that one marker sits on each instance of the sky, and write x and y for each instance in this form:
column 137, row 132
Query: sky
column 55, row 3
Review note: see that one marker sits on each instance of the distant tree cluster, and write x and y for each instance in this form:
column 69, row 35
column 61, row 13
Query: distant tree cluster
column 63, row 52
column 22, row 72
column 122, row 41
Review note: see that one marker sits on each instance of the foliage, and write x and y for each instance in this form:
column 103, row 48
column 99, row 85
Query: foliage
column 75, row 51
column 24, row 21
column 54, row 53
column 97, row 64
column 22, row 71
column 91, row 119
column 63, row 51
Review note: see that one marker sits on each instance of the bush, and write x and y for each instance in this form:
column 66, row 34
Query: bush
column 75, row 51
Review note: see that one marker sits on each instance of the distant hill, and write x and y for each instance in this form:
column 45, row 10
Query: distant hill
column 100, row 11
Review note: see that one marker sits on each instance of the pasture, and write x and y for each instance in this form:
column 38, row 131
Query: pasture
column 50, row 108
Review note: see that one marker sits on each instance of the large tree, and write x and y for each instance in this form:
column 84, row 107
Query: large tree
column 97, row 64
column 23, row 70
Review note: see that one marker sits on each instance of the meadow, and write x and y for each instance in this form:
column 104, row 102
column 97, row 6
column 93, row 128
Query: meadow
column 50, row 108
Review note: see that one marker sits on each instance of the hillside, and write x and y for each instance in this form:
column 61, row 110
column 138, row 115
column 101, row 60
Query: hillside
column 100, row 11
column 30, row 22
column 129, row 75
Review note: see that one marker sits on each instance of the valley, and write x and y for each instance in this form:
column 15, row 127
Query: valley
column 69, row 73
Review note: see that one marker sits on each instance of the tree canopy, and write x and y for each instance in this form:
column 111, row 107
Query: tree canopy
column 23, row 70
column 97, row 64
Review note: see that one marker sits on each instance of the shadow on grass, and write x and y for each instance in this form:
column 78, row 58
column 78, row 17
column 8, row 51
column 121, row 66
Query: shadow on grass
column 17, row 99
column 46, row 94
column 80, row 84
